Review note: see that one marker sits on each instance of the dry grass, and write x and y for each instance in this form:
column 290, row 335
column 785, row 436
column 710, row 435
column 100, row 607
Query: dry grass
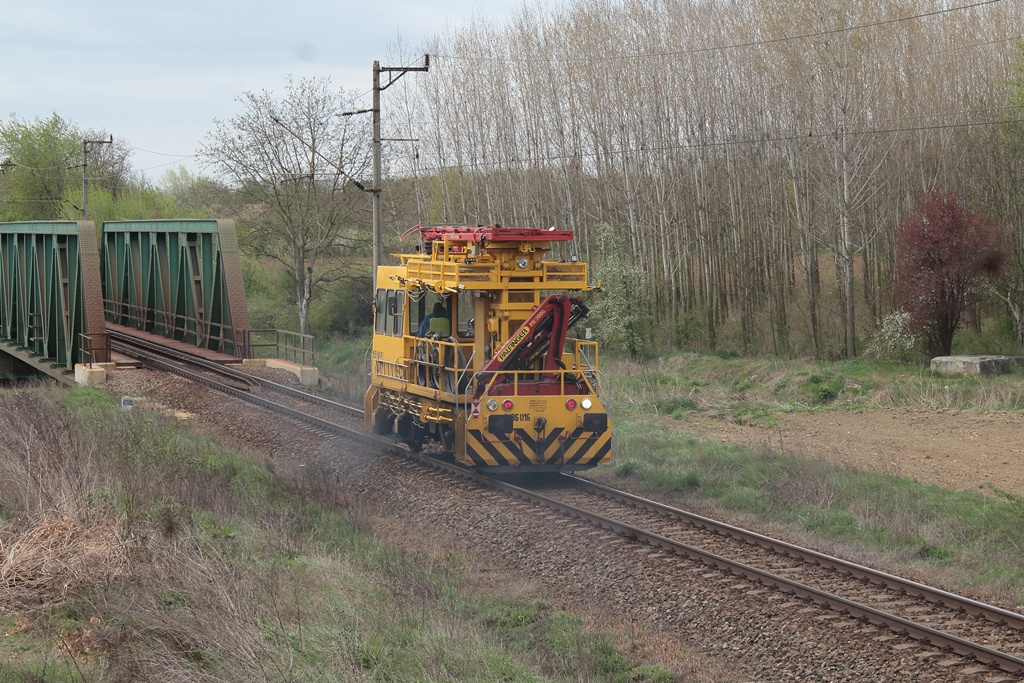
column 57, row 557
column 132, row 551
column 121, row 539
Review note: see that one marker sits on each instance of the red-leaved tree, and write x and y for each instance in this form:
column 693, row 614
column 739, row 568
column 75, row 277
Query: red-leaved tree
column 946, row 255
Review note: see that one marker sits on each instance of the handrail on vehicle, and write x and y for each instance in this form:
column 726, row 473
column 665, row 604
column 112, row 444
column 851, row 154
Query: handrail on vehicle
column 441, row 363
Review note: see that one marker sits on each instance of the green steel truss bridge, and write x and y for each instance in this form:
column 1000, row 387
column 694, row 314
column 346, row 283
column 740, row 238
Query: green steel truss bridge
column 65, row 282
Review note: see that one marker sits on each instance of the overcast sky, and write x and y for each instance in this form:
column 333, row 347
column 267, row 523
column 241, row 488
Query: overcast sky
column 157, row 74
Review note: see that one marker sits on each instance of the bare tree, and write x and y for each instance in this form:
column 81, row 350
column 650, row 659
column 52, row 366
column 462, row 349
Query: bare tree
column 756, row 155
column 295, row 161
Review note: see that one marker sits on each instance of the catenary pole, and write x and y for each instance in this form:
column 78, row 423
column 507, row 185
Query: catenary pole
column 394, row 73
column 85, row 172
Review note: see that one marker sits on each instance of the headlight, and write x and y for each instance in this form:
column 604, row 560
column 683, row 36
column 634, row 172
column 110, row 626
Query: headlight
column 586, row 403
column 492, row 405
column 522, row 262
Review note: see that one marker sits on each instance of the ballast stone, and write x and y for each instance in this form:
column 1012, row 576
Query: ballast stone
column 974, row 365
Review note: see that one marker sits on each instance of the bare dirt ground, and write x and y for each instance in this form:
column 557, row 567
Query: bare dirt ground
column 955, row 449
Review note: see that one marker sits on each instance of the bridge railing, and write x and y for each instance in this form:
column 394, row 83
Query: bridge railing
column 188, row 329
column 239, row 342
column 94, row 348
column 268, row 343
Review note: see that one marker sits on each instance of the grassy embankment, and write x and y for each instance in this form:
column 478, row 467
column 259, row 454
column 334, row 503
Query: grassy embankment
column 966, row 539
column 132, row 550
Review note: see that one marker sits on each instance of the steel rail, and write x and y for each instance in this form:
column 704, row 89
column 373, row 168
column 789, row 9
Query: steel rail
column 876, row 577
column 982, row 653
column 164, row 362
column 228, row 371
column 245, row 395
column 308, row 398
column 128, row 345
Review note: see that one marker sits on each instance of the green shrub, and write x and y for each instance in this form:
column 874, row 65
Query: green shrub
column 824, row 388
column 676, row 406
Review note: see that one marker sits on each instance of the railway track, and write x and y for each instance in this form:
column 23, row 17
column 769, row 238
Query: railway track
column 326, row 414
column 952, row 624
column 957, row 633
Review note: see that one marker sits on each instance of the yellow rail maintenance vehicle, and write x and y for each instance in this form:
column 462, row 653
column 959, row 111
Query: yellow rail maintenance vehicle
column 471, row 351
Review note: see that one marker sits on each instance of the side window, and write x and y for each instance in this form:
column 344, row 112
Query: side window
column 416, row 314
column 465, row 314
column 389, row 323
column 382, row 310
column 399, row 313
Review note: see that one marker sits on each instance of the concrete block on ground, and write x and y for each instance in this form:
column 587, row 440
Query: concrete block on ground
column 972, row 365
column 90, row 375
column 308, row 375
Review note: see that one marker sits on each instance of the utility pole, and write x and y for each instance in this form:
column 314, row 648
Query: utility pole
column 394, row 73
column 85, row 172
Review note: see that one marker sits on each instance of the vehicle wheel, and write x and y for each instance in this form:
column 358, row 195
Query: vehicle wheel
column 414, row 438
column 448, row 440
column 382, row 422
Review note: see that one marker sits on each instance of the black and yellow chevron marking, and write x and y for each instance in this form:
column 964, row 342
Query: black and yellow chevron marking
column 579, row 449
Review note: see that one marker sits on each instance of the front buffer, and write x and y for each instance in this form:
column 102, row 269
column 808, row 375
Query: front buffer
column 535, row 433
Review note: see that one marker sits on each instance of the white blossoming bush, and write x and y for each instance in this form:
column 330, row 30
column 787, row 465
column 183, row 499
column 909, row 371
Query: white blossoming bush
column 892, row 341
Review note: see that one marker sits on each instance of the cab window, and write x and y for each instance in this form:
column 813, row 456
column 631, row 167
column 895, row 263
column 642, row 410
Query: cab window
column 420, row 308
column 398, row 313
column 390, row 312
column 381, row 306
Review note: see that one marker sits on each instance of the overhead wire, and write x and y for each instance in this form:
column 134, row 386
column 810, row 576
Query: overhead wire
column 699, row 50
column 42, row 168
column 714, row 143
column 169, row 163
column 767, row 137
column 730, row 46
column 162, row 154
